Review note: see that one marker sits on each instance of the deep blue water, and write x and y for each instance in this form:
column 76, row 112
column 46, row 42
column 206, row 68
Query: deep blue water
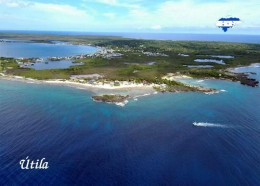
column 148, row 142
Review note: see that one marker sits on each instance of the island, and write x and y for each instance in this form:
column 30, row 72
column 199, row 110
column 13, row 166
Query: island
column 111, row 98
column 129, row 63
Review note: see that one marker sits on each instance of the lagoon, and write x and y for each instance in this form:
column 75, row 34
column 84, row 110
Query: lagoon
column 25, row 49
column 63, row 64
column 199, row 66
column 221, row 62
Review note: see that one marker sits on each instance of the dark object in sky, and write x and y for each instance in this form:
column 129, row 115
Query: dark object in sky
column 226, row 23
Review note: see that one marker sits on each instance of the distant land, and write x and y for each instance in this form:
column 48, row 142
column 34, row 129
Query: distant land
column 225, row 37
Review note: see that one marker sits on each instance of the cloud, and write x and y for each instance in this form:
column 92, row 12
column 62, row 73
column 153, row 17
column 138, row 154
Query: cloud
column 59, row 9
column 110, row 15
column 117, row 3
column 156, row 27
column 15, row 3
column 134, row 15
column 45, row 7
column 36, row 15
column 188, row 13
column 110, row 2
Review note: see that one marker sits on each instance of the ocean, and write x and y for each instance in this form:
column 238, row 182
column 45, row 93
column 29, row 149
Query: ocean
column 151, row 141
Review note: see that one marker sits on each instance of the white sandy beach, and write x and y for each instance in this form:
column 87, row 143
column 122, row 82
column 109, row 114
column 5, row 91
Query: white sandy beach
column 98, row 85
column 134, row 90
column 175, row 77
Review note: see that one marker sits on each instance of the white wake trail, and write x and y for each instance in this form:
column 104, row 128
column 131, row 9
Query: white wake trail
column 206, row 124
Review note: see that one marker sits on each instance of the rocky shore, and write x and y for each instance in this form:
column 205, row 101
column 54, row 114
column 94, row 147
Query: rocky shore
column 187, row 88
column 112, row 98
column 243, row 78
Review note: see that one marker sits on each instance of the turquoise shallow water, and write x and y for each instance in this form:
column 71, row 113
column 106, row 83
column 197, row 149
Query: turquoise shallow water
column 148, row 142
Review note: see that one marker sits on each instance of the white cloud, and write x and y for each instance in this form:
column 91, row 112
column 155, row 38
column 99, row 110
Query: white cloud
column 110, row 2
column 59, row 9
column 117, row 3
column 15, row 3
column 110, row 15
column 127, row 14
column 156, row 27
column 44, row 16
column 45, row 7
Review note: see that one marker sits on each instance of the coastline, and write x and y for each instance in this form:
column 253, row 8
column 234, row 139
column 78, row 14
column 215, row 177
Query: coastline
column 106, row 86
column 124, row 85
column 132, row 89
column 233, row 70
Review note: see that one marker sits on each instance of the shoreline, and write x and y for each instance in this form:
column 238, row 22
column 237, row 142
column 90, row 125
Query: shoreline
column 106, row 86
column 233, row 69
column 134, row 90
column 124, row 85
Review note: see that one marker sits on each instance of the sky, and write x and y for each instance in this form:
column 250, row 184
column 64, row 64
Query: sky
column 171, row 16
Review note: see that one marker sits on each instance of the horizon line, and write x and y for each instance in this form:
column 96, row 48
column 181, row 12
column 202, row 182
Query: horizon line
column 130, row 32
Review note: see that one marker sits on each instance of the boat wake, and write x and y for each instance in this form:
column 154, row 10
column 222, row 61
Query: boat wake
column 136, row 97
column 215, row 92
column 205, row 124
column 122, row 104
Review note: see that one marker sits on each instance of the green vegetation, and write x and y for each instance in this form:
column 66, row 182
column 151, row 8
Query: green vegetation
column 8, row 65
column 45, row 74
column 1, row 68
